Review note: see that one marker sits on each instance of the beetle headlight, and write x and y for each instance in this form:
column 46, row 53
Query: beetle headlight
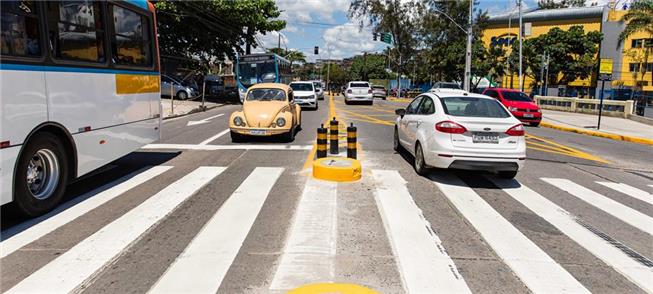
column 281, row 122
column 238, row 121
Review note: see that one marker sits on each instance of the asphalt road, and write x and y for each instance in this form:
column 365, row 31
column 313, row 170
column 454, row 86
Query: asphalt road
column 195, row 213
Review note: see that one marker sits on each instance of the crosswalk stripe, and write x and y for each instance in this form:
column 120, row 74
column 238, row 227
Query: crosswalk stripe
column 206, row 260
column 423, row 262
column 539, row 272
column 630, row 191
column 209, row 140
column 96, row 198
column 69, row 271
column 311, row 246
column 614, row 208
column 565, row 222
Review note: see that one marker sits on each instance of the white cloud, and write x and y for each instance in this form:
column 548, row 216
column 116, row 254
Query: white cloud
column 311, row 10
column 349, row 39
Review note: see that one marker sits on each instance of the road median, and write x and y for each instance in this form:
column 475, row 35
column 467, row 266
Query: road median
column 617, row 137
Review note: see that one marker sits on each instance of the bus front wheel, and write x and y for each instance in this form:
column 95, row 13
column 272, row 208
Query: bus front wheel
column 41, row 175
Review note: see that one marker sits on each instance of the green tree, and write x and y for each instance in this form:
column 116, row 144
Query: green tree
column 369, row 66
column 572, row 55
column 400, row 18
column 291, row 55
column 445, row 42
column 213, row 29
column 555, row 4
column 639, row 19
column 335, row 74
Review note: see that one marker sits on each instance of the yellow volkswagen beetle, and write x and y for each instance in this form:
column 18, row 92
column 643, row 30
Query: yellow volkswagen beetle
column 268, row 109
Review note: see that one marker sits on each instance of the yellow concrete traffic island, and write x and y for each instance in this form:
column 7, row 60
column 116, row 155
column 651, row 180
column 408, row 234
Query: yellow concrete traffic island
column 331, row 288
column 337, row 169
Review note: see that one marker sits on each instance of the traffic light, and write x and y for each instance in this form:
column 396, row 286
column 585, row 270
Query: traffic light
column 316, row 50
column 374, row 37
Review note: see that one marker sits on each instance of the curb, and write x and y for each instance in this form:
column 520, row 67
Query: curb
column 631, row 139
column 194, row 110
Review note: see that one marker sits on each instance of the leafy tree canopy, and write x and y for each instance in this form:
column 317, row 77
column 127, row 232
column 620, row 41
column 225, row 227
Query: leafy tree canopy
column 572, row 54
column 554, row 4
column 371, row 66
column 212, row 29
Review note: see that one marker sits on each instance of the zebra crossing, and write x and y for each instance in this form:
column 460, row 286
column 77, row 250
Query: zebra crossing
column 420, row 254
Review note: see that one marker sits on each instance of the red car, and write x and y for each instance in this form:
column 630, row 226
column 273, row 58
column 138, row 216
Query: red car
column 518, row 103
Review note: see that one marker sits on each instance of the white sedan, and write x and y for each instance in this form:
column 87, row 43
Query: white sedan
column 359, row 91
column 452, row 129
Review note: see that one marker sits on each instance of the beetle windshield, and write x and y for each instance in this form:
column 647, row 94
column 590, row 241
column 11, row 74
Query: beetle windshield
column 266, row 95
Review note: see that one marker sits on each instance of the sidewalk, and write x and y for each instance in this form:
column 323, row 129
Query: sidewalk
column 611, row 127
column 183, row 107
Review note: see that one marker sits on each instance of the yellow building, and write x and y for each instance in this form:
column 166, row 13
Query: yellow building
column 628, row 58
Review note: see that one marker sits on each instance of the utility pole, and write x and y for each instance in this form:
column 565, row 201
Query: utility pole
column 364, row 66
column 248, row 46
column 468, row 52
column 279, row 44
column 542, row 73
column 546, row 76
column 521, row 82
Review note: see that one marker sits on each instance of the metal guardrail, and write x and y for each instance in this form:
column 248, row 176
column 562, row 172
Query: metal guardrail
column 572, row 104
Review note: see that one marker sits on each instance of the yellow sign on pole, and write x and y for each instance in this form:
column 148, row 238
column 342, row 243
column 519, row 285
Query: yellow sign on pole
column 606, row 66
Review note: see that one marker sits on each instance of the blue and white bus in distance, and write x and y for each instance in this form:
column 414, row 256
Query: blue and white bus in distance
column 261, row 68
column 79, row 88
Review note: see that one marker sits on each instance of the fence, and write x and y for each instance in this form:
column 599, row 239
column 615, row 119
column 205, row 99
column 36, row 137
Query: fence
column 572, row 104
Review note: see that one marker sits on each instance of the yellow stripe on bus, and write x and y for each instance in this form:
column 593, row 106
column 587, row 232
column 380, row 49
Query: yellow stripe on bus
column 135, row 84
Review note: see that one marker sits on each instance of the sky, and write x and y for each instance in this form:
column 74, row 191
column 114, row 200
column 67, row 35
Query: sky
column 324, row 23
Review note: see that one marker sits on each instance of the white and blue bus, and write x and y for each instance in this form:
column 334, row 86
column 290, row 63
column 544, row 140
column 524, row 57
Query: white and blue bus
column 261, row 68
column 79, row 88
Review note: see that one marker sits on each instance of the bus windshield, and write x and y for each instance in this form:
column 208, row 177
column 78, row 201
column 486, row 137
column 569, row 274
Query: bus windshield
column 261, row 72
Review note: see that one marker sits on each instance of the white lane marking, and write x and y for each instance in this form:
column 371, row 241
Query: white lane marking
column 423, row 262
column 311, row 246
column 566, row 223
column 202, row 121
column 209, row 140
column 228, row 147
column 206, row 260
column 94, row 199
column 630, row 191
column 539, row 272
column 614, row 208
column 69, row 271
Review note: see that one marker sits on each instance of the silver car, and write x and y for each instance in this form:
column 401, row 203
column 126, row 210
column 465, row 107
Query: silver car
column 318, row 90
column 379, row 92
column 180, row 90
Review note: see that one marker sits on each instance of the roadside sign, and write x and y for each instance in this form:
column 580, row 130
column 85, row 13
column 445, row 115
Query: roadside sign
column 386, row 38
column 605, row 66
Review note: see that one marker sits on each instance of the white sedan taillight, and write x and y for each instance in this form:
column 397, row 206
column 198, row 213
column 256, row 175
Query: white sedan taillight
column 369, row 91
column 349, row 91
column 450, row 127
column 517, row 130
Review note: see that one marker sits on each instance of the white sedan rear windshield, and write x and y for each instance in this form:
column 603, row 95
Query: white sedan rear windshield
column 266, row 95
column 473, row 107
column 359, row 85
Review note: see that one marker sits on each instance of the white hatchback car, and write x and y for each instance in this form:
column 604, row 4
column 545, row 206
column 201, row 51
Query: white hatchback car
column 305, row 94
column 453, row 129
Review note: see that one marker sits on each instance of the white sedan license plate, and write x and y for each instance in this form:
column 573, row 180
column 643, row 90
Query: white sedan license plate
column 485, row 138
column 528, row 115
column 257, row 132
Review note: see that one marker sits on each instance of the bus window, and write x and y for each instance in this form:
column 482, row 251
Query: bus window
column 131, row 45
column 20, row 29
column 76, row 30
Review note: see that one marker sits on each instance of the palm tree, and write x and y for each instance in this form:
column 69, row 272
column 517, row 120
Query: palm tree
column 639, row 19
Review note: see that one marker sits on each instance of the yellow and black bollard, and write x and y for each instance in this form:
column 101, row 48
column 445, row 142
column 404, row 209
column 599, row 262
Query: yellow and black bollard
column 351, row 141
column 334, row 136
column 321, row 141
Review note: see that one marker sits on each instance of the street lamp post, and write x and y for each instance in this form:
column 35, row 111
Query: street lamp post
column 521, row 82
column 468, row 52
